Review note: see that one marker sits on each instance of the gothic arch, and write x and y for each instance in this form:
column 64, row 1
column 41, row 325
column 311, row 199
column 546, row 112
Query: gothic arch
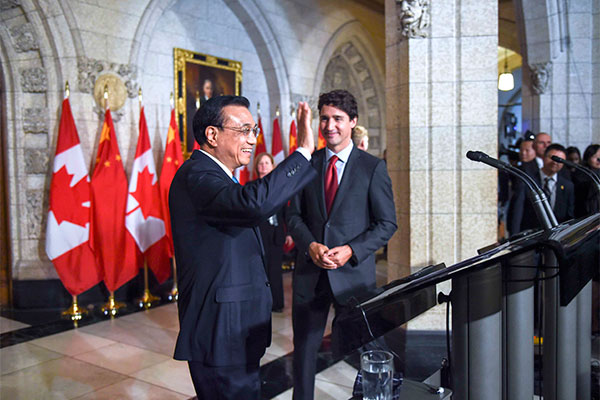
column 347, row 62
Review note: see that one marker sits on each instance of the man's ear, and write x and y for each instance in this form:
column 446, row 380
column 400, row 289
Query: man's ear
column 211, row 133
column 353, row 122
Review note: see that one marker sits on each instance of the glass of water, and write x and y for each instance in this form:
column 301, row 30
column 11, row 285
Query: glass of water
column 377, row 374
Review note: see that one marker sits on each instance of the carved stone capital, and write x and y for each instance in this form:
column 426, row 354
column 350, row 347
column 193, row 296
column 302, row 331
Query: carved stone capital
column 90, row 69
column 540, row 77
column 23, row 38
column 33, row 80
column 414, row 18
column 35, row 120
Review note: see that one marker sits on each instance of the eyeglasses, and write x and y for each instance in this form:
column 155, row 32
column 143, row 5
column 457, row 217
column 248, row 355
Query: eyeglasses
column 244, row 130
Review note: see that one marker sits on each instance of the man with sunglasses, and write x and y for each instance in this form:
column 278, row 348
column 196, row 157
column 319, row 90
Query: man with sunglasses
column 224, row 297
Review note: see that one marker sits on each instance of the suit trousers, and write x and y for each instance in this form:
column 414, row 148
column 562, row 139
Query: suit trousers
column 309, row 317
column 225, row 383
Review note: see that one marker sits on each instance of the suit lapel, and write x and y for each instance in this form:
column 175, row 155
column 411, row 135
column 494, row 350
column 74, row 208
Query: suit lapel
column 346, row 181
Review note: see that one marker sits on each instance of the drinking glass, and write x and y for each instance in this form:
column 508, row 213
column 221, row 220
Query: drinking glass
column 377, row 374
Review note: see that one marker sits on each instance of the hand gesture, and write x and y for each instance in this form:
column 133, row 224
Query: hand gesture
column 317, row 253
column 305, row 132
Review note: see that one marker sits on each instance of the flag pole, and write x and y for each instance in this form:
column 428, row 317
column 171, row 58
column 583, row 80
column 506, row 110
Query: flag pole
column 75, row 313
column 147, row 298
column 174, row 293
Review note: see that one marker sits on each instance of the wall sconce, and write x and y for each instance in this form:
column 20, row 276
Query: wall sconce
column 506, row 81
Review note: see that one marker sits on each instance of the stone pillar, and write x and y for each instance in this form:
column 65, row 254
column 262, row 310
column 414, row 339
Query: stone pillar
column 441, row 101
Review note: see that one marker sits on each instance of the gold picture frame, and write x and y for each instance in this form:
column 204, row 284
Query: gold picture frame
column 192, row 70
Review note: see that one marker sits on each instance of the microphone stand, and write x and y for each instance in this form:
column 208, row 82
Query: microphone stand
column 595, row 179
column 542, row 207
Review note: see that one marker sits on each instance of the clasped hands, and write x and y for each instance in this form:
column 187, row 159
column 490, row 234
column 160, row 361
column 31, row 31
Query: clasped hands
column 324, row 257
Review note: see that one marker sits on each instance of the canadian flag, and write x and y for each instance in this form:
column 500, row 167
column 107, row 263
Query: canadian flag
column 242, row 175
column 68, row 228
column 144, row 216
column 261, row 146
column 114, row 250
column 276, row 143
column 171, row 162
column 293, row 137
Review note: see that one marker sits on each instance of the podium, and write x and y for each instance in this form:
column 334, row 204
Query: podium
column 493, row 313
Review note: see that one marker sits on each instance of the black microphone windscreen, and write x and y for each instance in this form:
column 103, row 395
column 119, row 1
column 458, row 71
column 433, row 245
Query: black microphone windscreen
column 557, row 159
column 474, row 155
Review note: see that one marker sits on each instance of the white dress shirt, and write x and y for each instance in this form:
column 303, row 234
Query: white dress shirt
column 343, row 156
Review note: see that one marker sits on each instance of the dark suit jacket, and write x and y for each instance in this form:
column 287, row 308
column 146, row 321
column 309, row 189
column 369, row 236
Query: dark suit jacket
column 521, row 214
column 362, row 215
column 224, row 298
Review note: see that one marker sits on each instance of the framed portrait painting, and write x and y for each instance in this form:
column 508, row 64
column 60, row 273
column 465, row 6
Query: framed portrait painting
column 199, row 77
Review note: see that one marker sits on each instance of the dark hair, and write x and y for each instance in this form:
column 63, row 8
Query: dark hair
column 342, row 99
column 589, row 153
column 211, row 114
column 573, row 149
column 555, row 146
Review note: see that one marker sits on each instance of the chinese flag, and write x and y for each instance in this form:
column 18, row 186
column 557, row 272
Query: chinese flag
column 144, row 215
column 171, row 162
column 277, row 144
column 293, row 137
column 261, row 146
column 321, row 142
column 68, row 229
column 114, row 249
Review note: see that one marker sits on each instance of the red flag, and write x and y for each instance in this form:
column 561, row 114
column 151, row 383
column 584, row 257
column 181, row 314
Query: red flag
column 68, row 229
column 171, row 162
column 276, row 143
column 114, row 249
column 293, row 137
column 243, row 175
column 144, row 216
column 321, row 143
column 261, row 146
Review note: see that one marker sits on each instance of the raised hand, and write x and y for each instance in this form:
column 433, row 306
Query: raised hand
column 306, row 138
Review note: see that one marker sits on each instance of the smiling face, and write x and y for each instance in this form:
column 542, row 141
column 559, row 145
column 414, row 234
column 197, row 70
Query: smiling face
column 264, row 166
column 231, row 147
column 336, row 127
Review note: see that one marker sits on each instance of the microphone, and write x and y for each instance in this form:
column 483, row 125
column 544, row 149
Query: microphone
column 537, row 196
column 581, row 168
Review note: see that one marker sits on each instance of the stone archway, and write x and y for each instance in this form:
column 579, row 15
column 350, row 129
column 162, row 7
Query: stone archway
column 348, row 70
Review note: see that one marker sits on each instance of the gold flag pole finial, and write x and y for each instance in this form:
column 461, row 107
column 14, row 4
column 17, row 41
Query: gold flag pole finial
column 140, row 96
column 172, row 100
column 105, row 96
column 293, row 111
column 258, row 109
column 66, row 89
column 277, row 111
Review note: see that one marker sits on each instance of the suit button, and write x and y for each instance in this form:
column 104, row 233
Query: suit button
column 268, row 284
column 288, row 174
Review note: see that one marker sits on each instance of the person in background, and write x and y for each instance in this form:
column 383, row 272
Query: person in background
column 360, row 137
column 273, row 234
column 574, row 156
column 526, row 151
column 559, row 191
column 586, row 196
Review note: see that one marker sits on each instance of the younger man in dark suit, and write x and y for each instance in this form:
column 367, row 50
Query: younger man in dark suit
column 224, row 297
column 558, row 189
column 338, row 222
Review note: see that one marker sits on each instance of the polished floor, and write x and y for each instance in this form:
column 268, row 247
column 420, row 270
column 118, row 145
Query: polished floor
column 130, row 357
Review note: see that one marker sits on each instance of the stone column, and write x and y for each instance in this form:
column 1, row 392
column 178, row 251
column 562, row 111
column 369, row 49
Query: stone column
column 441, row 101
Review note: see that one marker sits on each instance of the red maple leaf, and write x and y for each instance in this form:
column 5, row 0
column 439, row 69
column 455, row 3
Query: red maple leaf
column 66, row 201
column 147, row 195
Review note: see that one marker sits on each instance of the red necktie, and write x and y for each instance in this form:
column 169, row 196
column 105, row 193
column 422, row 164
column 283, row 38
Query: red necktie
column 331, row 182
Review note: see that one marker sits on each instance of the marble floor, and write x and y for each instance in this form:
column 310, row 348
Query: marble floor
column 130, row 357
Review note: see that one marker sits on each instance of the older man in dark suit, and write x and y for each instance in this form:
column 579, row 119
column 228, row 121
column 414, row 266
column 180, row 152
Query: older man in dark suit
column 224, row 299
column 338, row 222
column 558, row 189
